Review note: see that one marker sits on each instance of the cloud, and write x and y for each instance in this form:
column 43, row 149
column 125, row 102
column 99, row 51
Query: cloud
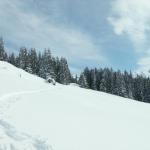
column 22, row 25
column 131, row 18
column 144, row 64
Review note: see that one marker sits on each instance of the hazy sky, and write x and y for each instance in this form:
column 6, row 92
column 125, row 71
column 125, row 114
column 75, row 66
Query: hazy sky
column 94, row 33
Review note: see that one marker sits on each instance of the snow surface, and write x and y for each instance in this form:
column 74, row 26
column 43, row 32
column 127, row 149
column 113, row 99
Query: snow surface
column 10, row 139
column 68, row 117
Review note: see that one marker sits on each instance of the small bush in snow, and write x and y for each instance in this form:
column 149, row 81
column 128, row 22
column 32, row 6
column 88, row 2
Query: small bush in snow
column 51, row 80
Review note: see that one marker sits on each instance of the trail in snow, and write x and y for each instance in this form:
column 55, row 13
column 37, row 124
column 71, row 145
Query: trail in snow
column 10, row 138
column 13, row 89
column 71, row 118
column 7, row 100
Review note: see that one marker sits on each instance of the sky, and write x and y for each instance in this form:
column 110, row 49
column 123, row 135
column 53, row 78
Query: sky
column 94, row 33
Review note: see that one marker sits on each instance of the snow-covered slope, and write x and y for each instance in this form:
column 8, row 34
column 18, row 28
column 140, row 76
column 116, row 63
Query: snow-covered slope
column 12, row 81
column 69, row 117
column 10, row 139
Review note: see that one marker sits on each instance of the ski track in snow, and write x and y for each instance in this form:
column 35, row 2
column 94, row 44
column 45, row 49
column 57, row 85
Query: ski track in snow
column 70, row 118
column 7, row 100
column 11, row 139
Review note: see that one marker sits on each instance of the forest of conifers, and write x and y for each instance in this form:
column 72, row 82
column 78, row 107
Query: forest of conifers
column 44, row 65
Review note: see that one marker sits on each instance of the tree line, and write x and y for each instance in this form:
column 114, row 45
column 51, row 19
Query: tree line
column 116, row 82
column 43, row 64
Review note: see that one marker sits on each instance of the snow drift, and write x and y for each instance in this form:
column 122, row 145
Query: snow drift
column 69, row 117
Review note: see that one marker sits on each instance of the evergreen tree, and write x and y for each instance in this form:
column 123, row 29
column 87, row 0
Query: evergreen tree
column 146, row 91
column 106, row 81
column 87, row 75
column 128, row 84
column 41, row 63
column 33, row 59
column 99, row 76
column 102, row 86
column 29, row 68
column 114, row 84
column 57, row 69
column 2, row 50
column 12, row 59
column 46, row 68
column 138, row 88
column 23, row 58
column 121, row 90
column 64, row 72
column 93, row 79
column 82, row 81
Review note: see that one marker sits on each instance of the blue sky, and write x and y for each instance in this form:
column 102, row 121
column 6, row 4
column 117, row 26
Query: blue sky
column 94, row 33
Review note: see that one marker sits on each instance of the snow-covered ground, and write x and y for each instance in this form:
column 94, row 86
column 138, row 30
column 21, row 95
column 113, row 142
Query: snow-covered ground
column 10, row 139
column 67, row 117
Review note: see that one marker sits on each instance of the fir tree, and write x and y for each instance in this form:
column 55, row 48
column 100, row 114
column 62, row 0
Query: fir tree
column 82, row 81
column 64, row 72
column 12, row 59
column 23, row 58
column 33, row 61
column 2, row 50
column 93, row 79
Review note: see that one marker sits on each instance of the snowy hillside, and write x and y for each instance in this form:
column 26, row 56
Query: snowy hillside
column 68, row 117
column 10, row 139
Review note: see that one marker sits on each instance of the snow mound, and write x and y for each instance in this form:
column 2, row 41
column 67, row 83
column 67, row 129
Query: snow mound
column 10, row 139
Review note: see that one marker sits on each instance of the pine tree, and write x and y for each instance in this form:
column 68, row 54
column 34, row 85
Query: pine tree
column 99, row 74
column 121, row 89
column 64, row 72
column 87, row 75
column 76, row 79
column 12, row 59
column 114, row 84
column 106, row 81
column 53, row 71
column 23, row 58
column 128, row 84
column 41, row 64
column 2, row 50
column 33, row 61
column 57, row 69
column 93, row 79
column 29, row 68
column 102, row 86
column 82, row 81
column 46, row 64
column 146, row 91
column 138, row 88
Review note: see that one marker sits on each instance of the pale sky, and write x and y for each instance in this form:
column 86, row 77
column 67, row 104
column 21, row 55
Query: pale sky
column 94, row 33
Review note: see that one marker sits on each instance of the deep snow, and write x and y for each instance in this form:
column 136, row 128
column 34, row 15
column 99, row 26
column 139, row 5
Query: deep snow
column 10, row 139
column 69, row 117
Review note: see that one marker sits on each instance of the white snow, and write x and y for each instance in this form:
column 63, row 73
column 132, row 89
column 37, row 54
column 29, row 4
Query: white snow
column 10, row 139
column 69, row 117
